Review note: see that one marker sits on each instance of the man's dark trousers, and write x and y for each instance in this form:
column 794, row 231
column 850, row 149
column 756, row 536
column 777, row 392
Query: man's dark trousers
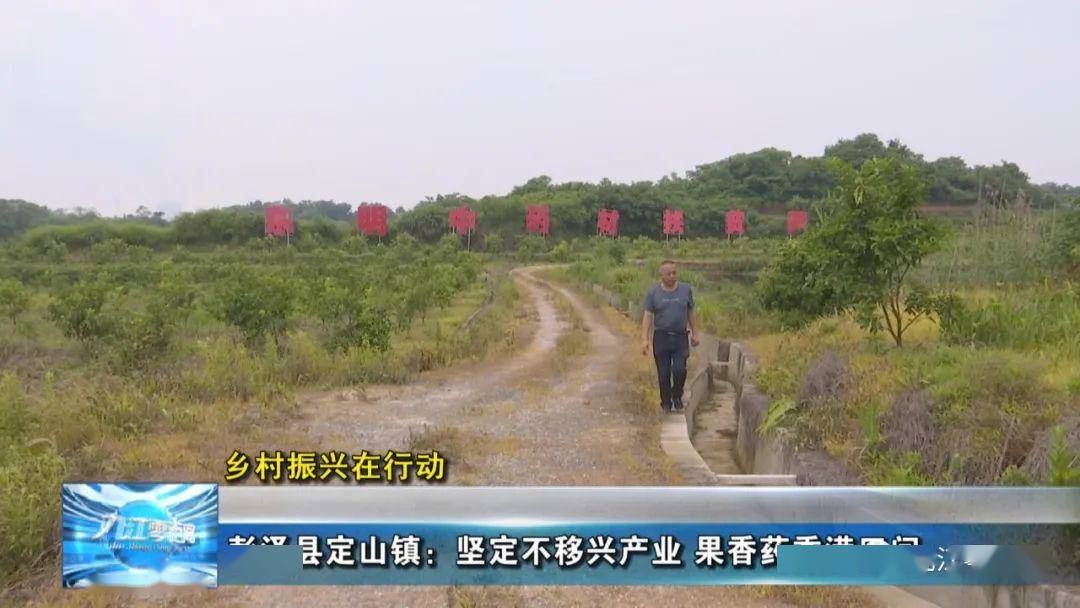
column 671, row 350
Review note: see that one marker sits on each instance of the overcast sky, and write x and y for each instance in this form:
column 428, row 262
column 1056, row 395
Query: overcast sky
column 191, row 104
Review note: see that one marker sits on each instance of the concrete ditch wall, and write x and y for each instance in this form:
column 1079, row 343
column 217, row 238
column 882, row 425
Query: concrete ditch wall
column 769, row 455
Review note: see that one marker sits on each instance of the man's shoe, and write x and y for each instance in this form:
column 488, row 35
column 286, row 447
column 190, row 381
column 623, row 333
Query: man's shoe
column 665, row 408
column 676, row 404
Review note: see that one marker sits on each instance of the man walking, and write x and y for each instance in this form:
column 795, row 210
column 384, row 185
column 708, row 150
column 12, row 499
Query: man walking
column 668, row 310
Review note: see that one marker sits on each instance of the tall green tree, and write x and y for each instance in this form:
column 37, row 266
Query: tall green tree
column 857, row 150
column 860, row 257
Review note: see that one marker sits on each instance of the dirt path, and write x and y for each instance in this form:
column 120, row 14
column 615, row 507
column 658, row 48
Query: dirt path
column 526, row 420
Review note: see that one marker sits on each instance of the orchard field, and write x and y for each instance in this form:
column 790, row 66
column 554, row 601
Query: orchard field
column 908, row 346
column 121, row 362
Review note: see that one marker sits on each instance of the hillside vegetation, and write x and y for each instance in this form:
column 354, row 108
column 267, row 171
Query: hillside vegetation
column 765, row 183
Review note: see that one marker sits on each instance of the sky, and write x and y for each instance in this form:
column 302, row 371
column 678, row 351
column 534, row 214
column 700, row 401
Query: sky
column 187, row 105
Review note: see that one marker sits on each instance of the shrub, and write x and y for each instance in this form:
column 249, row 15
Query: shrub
column 85, row 235
column 561, row 253
column 493, row 243
column 14, row 298
column 1065, row 241
column 530, row 247
column 256, row 302
column 143, row 336
column 114, row 249
column 80, row 312
column 351, row 316
column 217, row 226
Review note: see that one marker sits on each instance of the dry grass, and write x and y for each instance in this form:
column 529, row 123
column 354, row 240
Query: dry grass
column 814, row 596
column 571, row 343
column 909, row 424
column 483, row 597
column 463, row 449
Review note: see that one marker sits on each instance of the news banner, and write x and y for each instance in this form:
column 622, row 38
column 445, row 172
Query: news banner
column 306, row 518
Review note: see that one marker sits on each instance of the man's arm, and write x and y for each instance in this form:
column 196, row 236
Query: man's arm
column 691, row 318
column 695, row 339
column 646, row 330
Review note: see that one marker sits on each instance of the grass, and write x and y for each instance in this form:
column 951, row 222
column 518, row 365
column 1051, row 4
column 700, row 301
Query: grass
column 463, row 449
column 811, row 596
column 1044, row 317
column 572, row 343
column 988, row 405
column 1002, row 368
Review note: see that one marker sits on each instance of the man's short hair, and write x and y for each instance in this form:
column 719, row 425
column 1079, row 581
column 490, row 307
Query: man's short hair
column 666, row 262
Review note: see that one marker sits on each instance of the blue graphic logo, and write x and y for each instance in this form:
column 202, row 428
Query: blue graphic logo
column 136, row 535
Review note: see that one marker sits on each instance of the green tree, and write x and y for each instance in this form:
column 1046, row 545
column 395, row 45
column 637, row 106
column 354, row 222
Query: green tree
column 81, row 313
column 860, row 256
column 257, row 303
column 14, row 298
column 857, row 150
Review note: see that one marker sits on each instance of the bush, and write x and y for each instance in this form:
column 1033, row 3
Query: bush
column 217, row 226
column 84, row 236
column 321, row 231
column 493, row 243
column 350, row 315
column 80, row 312
column 530, row 247
column 14, row 298
column 94, row 313
column 561, row 253
column 114, row 249
column 1065, row 242
column 143, row 336
column 613, row 249
column 257, row 302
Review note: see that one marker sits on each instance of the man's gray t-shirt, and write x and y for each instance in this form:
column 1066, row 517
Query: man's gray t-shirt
column 671, row 309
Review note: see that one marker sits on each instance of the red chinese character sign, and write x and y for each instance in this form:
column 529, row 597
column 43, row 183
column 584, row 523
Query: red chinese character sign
column 537, row 220
column 673, row 222
column 462, row 220
column 796, row 222
column 371, row 219
column 277, row 220
column 607, row 222
column 734, row 222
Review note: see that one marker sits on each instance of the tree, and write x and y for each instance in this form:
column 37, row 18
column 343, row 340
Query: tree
column 868, row 240
column 257, row 302
column 81, row 313
column 857, row 150
column 14, row 298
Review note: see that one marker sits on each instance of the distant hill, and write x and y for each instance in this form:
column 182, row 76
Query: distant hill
column 765, row 182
